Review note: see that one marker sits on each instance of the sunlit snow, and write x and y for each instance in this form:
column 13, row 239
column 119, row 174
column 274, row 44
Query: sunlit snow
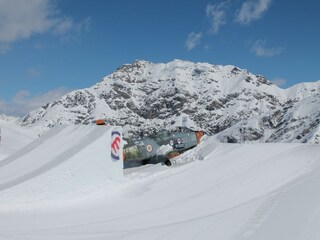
column 221, row 191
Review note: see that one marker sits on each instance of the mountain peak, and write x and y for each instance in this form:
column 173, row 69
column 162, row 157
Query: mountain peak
column 227, row 101
column 6, row 118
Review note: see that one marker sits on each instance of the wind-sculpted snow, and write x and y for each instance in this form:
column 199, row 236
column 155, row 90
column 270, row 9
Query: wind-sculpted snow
column 225, row 100
column 226, row 192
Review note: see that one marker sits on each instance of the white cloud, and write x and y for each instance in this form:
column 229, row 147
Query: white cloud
column 33, row 72
column 193, row 40
column 23, row 102
column 62, row 26
column 252, row 10
column 69, row 30
column 208, row 47
column 20, row 19
column 259, row 49
column 21, row 98
column 279, row 81
column 216, row 15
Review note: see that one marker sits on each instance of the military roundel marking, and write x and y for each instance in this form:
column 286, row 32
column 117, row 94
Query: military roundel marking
column 171, row 142
column 149, row 148
column 179, row 140
column 115, row 145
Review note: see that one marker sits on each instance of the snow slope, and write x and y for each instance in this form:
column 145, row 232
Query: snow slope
column 14, row 137
column 59, row 166
column 231, row 192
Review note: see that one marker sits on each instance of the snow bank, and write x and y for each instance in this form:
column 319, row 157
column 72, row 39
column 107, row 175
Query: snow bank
column 232, row 192
column 14, row 137
column 65, row 163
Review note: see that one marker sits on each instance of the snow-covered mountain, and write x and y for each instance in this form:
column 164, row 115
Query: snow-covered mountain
column 9, row 119
column 226, row 101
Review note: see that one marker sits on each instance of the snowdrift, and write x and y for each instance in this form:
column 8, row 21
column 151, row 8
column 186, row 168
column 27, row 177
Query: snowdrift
column 67, row 162
column 230, row 192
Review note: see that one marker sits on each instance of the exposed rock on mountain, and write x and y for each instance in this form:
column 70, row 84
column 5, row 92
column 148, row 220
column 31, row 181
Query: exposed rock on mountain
column 226, row 101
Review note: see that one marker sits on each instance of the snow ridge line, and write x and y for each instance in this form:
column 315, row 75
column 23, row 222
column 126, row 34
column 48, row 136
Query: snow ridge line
column 32, row 145
column 64, row 156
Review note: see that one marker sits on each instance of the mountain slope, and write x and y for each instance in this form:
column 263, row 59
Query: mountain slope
column 232, row 103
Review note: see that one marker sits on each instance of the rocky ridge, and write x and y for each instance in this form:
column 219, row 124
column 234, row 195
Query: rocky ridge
column 226, row 101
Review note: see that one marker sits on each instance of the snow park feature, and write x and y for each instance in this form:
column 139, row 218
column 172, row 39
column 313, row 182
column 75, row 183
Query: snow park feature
column 14, row 137
column 59, row 187
column 68, row 161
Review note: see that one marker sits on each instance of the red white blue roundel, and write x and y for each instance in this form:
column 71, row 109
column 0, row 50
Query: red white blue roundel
column 149, row 148
column 115, row 145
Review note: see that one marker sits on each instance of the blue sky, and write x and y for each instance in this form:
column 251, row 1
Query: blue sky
column 49, row 47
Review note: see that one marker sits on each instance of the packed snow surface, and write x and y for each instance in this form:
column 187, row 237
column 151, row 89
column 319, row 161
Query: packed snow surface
column 13, row 137
column 59, row 166
column 222, row 191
